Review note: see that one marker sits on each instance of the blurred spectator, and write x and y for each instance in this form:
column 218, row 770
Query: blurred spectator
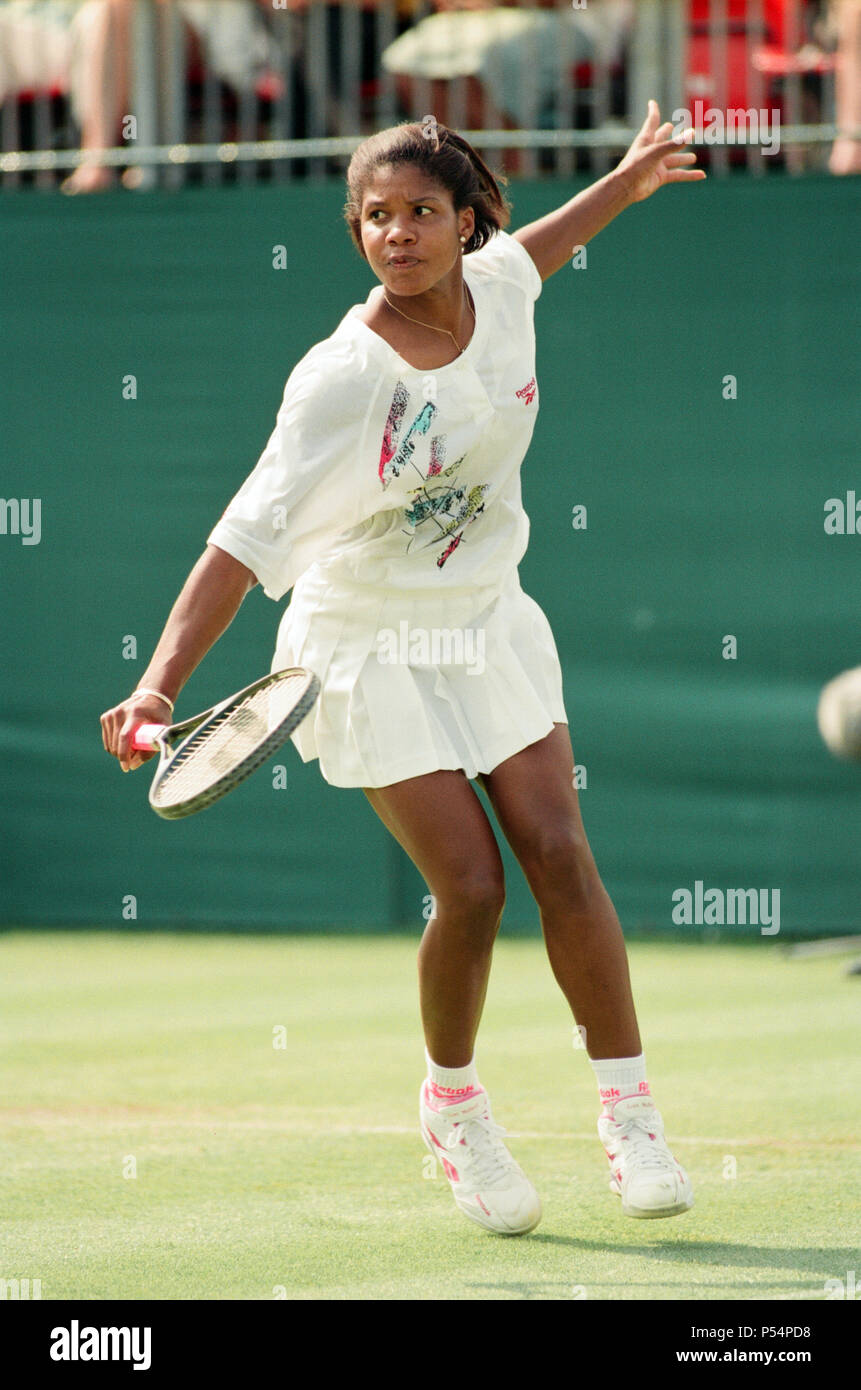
column 41, row 43
column 228, row 35
column 514, row 59
column 83, row 49
column 512, row 62
column 845, row 155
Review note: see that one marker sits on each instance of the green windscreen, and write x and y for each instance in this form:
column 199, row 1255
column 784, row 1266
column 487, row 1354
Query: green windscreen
column 699, row 409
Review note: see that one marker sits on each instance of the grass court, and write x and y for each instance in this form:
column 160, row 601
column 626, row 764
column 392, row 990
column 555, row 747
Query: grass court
column 206, row 1116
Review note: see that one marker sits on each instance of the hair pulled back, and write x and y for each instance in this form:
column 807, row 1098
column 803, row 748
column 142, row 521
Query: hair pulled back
column 448, row 160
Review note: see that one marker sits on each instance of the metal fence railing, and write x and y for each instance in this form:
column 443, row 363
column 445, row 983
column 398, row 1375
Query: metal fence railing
column 174, row 91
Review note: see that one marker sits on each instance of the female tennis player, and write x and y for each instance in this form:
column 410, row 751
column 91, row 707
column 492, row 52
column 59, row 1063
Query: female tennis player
column 388, row 499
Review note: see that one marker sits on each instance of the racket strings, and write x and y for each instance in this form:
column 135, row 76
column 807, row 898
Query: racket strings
column 231, row 744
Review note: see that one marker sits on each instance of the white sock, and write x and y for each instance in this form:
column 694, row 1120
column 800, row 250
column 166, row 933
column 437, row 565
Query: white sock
column 452, row 1079
column 620, row 1076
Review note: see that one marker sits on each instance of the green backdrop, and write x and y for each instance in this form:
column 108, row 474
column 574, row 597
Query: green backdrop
column 705, row 518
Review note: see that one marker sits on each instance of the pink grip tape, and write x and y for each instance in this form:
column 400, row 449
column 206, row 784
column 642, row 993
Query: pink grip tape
column 144, row 737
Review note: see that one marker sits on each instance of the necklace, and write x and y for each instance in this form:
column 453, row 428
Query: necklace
column 430, row 325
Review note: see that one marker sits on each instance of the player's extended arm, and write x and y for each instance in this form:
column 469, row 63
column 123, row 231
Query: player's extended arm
column 207, row 604
column 652, row 160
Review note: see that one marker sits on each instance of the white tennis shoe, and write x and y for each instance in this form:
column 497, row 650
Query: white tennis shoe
column 488, row 1186
column 643, row 1171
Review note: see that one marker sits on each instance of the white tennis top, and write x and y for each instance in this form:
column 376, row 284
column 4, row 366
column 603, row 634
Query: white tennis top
column 382, row 474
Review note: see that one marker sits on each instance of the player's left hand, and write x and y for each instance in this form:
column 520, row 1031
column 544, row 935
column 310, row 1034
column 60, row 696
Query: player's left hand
column 654, row 159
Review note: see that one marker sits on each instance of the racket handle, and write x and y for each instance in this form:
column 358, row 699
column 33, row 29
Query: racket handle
column 145, row 737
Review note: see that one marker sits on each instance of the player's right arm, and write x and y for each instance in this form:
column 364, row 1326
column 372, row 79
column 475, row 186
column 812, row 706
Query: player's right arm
column 207, row 604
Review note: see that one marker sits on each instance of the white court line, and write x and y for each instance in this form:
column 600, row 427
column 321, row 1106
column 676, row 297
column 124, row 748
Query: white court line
column 299, row 1130
column 591, row 1136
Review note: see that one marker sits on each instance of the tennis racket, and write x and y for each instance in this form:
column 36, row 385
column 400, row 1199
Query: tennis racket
column 208, row 755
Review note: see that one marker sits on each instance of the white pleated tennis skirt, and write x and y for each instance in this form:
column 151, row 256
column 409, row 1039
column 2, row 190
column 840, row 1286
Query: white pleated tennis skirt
column 418, row 683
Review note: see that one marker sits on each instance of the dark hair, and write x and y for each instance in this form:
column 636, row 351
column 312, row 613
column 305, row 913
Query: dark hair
column 446, row 158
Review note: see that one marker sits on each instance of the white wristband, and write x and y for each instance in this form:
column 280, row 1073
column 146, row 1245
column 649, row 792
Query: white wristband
column 144, row 690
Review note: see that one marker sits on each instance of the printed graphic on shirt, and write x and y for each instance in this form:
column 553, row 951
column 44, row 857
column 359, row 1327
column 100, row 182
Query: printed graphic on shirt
column 444, row 512
column 392, row 458
column 436, row 515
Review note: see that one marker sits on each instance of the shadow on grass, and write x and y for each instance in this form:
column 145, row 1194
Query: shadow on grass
column 818, row 1263
column 721, row 1254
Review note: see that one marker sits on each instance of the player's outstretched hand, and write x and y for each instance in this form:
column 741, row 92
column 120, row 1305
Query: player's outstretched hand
column 654, row 159
column 117, row 725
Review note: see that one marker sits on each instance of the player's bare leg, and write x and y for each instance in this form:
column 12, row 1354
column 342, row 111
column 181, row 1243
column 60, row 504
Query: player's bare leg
column 534, row 798
column 441, row 824
column 536, row 803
